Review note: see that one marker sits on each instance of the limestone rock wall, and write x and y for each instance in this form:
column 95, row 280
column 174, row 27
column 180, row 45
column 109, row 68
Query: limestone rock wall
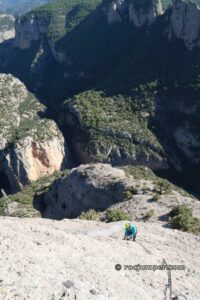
column 31, row 145
column 7, row 30
column 138, row 13
column 30, row 160
column 184, row 22
column 29, row 29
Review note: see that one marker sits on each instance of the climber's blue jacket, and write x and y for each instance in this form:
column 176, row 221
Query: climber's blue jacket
column 131, row 231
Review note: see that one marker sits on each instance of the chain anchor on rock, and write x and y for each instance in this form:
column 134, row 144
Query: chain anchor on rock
column 168, row 286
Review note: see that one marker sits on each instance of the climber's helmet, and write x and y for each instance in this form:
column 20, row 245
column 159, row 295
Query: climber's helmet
column 127, row 226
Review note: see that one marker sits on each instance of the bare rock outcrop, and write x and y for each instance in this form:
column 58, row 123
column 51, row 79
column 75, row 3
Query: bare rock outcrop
column 144, row 13
column 31, row 145
column 29, row 29
column 116, row 10
column 184, row 17
column 7, row 30
column 89, row 186
column 137, row 12
column 29, row 159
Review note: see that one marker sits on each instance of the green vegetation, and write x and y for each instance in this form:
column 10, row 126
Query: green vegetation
column 149, row 214
column 30, row 123
column 18, row 7
column 162, row 186
column 19, row 114
column 181, row 218
column 116, row 121
column 3, row 205
column 139, row 172
column 129, row 192
column 167, row 2
column 62, row 16
column 120, row 82
column 97, row 111
column 114, row 215
column 91, row 215
column 156, row 197
column 18, row 109
column 24, row 198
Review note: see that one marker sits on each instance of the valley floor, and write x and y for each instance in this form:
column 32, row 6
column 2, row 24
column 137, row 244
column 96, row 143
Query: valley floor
column 74, row 259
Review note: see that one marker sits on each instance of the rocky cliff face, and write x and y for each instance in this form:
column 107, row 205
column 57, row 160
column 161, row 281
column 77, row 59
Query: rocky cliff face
column 30, row 29
column 182, row 134
column 137, row 12
column 118, row 125
column 184, row 18
column 120, row 136
column 188, row 141
column 30, row 159
column 6, row 27
column 116, row 11
column 145, row 12
column 31, row 146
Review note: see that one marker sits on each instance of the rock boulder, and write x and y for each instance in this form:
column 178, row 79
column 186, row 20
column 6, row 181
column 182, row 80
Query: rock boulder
column 94, row 186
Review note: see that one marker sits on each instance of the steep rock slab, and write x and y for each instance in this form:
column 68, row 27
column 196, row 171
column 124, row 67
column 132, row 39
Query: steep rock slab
column 31, row 146
column 89, row 186
column 75, row 259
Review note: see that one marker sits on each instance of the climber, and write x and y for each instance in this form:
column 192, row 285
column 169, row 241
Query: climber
column 130, row 232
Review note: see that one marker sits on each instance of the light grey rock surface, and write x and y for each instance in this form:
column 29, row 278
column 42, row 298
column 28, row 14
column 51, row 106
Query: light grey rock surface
column 89, row 186
column 28, row 30
column 44, row 259
column 7, row 30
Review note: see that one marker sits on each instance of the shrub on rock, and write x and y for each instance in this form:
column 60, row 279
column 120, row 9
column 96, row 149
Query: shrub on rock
column 181, row 218
column 114, row 215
